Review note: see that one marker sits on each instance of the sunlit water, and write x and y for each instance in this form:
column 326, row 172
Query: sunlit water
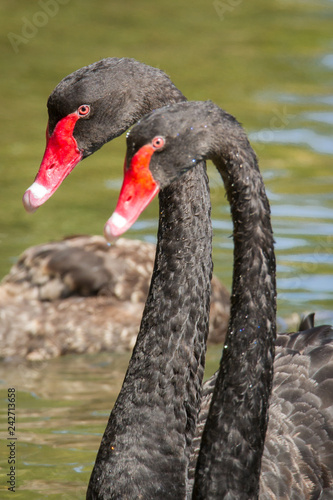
column 269, row 64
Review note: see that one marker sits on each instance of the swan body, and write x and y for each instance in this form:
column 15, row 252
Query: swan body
column 237, row 459
column 81, row 295
column 298, row 455
column 297, row 461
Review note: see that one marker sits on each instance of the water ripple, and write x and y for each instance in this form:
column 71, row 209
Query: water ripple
column 328, row 61
column 321, row 117
column 311, row 212
column 317, row 142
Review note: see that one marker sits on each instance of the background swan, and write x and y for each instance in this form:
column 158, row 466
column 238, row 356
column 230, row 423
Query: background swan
column 80, row 295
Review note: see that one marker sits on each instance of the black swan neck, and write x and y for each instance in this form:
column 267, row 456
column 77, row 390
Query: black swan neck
column 233, row 440
column 145, row 448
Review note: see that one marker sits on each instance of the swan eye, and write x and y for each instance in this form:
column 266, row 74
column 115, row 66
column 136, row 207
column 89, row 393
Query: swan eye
column 84, row 110
column 158, row 142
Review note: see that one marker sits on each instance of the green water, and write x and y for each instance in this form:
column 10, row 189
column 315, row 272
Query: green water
column 268, row 63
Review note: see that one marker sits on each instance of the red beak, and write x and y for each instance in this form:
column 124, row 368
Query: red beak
column 60, row 157
column 138, row 189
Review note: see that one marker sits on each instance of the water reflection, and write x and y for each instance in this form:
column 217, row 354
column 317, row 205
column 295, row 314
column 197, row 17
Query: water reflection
column 328, row 61
column 320, row 117
column 315, row 141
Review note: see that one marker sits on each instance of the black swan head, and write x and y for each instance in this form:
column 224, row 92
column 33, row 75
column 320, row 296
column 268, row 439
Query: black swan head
column 90, row 107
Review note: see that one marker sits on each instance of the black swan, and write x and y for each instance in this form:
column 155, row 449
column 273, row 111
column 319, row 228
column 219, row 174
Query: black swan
column 145, row 451
column 81, row 295
column 298, row 452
